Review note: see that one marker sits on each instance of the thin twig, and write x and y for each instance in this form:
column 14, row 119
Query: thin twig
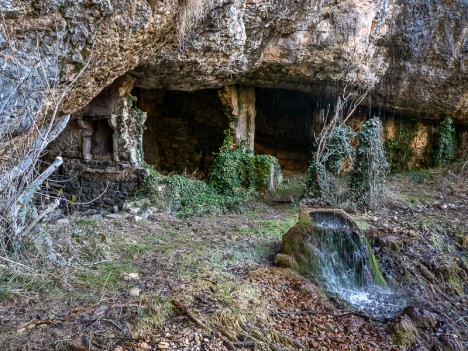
column 15, row 263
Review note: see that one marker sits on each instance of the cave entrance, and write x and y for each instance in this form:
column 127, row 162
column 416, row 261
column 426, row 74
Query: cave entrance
column 183, row 129
column 285, row 125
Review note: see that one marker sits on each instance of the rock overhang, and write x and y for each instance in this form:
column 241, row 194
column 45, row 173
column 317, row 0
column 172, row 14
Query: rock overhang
column 413, row 66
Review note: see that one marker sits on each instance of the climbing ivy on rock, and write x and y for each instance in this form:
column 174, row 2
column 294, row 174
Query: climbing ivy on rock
column 324, row 166
column 236, row 170
column 267, row 173
column 399, row 150
column 233, row 171
column 139, row 118
column 339, row 148
column 318, row 183
column 371, row 166
column 445, row 147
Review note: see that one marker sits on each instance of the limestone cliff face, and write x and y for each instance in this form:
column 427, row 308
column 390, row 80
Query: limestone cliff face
column 411, row 53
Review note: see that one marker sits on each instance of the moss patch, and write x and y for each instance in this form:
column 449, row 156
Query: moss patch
column 375, row 266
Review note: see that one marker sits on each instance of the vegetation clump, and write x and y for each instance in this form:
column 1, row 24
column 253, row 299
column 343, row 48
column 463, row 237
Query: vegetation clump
column 398, row 150
column 233, row 171
column 368, row 163
column 186, row 197
column 445, row 149
column 267, row 173
column 328, row 162
column 333, row 148
column 371, row 166
column 236, row 170
column 195, row 197
column 236, row 175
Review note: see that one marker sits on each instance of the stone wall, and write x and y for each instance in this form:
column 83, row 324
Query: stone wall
column 183, row 130
column 101, row 151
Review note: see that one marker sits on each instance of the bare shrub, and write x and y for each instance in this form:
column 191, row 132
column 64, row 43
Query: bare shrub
column 22, row 172
column 333, row 148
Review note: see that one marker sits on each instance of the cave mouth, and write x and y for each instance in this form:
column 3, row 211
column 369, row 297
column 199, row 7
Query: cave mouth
column 184, row 130
column 285, row 125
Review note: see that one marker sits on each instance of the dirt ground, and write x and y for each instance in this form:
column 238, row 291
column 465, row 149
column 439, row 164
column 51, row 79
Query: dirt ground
column 209, row 283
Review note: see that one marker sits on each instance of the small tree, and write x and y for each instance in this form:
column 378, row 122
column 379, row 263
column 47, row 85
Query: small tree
column 333, row 147
column 371, row 166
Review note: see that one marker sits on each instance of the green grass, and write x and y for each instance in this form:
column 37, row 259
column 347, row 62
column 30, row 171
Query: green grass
column 419, row 176
column 106, row 275
column 157, row 310
column 271, row 228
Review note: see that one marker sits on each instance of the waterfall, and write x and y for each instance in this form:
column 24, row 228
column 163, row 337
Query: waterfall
column 345, row 267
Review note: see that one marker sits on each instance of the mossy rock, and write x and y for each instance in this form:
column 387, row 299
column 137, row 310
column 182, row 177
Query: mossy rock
column 405, row 331
column 302, row 241
column 286, row 261
column 297, row 244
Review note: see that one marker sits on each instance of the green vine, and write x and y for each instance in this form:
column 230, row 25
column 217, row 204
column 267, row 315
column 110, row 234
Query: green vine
column 139, row 117
column 236, row 170
column 185, row 197
column 399, row 150
column 337, row 148
column 445, row 147
column 248, row 124
column 233, row 171
column 267, row 173
column 371, row 166
column 317, row 184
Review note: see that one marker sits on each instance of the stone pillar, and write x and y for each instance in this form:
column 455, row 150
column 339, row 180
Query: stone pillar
column 240, row 106
column 87, row 133
column 112, row 121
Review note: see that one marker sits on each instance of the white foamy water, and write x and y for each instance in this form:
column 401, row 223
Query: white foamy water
column 345, row 271
column 374, row 301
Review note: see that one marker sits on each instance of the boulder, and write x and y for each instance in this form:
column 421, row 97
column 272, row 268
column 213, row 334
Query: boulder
column 302, row 243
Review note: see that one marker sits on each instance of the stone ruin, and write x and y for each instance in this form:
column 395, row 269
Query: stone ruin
column 100, row 148
column 106, row 144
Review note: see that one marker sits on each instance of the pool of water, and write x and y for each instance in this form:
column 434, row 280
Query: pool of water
column 373, row 301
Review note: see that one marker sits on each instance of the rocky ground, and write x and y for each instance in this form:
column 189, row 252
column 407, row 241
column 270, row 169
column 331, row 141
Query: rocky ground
column 209, row 283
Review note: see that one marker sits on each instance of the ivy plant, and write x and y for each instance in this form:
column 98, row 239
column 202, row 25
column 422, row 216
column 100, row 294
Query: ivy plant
column 445, row 148
column 371, row 166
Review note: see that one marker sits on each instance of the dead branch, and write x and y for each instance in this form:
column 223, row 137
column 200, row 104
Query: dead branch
column 38, row 146
column 36, row 220
column 185, row 310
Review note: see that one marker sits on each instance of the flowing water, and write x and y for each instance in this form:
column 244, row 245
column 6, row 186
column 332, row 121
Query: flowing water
column 346, row 270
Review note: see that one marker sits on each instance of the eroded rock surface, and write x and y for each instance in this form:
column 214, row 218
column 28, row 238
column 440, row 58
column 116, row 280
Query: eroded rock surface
column 412, row 52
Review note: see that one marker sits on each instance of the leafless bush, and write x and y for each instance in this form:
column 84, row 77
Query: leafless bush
column 332, row 147
column 21, row 171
